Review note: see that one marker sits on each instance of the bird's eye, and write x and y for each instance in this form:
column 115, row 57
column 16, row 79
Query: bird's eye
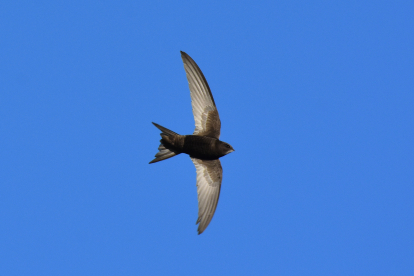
column 227, row 146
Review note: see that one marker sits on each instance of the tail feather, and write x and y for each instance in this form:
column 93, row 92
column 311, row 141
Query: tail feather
column 164, row 153
column 165, row 130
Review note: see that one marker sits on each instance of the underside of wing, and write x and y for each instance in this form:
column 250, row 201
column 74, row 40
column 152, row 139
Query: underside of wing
column 209, row 177
column 205, row 113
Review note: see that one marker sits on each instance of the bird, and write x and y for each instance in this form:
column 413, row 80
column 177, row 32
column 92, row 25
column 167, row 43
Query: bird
column 203, row 146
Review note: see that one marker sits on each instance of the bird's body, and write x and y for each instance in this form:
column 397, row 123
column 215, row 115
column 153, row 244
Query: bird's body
column 203, row 146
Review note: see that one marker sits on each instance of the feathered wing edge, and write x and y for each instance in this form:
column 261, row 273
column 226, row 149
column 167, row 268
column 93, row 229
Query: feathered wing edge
column 209, row 177
column 206, row 117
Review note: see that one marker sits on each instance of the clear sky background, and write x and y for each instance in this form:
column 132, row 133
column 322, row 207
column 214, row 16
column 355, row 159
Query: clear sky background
column 316, row 98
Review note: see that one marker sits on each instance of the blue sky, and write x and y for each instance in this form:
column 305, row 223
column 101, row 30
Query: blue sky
column 316, row 98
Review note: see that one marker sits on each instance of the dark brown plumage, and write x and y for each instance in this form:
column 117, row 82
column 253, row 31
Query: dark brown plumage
column 203, row 147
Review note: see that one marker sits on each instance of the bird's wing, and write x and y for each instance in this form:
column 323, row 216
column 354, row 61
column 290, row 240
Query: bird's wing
column 206, row 117
column 209, row 176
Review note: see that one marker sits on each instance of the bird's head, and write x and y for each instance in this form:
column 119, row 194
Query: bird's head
column 225, row 148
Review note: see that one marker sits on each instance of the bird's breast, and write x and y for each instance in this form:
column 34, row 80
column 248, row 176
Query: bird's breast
column 200, row 147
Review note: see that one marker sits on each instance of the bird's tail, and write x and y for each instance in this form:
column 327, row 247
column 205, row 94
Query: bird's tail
column 163, row 152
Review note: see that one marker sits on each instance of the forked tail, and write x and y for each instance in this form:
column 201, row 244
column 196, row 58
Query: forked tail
column 163, row 152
